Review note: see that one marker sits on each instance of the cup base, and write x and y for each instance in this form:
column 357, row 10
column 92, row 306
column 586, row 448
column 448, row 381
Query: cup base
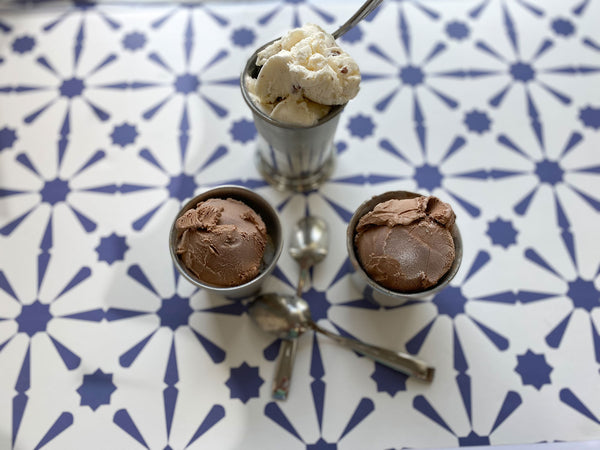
column 297, row 184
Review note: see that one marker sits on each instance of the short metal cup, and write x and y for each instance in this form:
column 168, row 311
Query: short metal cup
column 291, row 157
column 273, row 248
column 375, row 291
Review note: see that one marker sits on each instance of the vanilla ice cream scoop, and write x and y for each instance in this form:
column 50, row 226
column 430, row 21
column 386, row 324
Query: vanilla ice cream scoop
column 306, row 72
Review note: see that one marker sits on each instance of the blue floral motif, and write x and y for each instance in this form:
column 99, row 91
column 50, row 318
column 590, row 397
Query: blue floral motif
column 124, row 134
column 175, row 312
column 96, row 389
column 502, row 233
column 23, row 44
column 389, row 380
column 563, row 27
column 54, row 192
column 533, row 369
column 243, row 131
column 112, row 248
column 244, row 382
column 243, row 37
column 413, row 74
column 478, row 121
column 361, row 126
column 362, row 411
column 296, row 7
column 527, row 129
column 32, row 320
column 173, row 316
column 430, row 175
column 8, row 137
column 551, row 172
column 134, row 41
column 582, row 292
column 125, row 422
column 180, row 186
column 590, row 116
column 457, row 30
column 511, row 403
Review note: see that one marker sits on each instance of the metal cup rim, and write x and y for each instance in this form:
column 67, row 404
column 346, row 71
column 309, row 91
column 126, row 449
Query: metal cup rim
column 367, row 206
column 274, row 231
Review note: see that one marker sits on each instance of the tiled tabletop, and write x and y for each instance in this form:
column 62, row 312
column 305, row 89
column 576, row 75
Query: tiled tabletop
column 112, row 115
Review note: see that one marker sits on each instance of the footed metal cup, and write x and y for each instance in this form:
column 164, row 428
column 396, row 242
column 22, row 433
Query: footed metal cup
column 291, row 157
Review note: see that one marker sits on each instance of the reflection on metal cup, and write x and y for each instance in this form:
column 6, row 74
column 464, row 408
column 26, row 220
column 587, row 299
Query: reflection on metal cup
column 292, row 157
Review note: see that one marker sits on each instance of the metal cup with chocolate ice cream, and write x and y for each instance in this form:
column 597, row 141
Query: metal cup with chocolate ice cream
column 226, row 240
column 222, row 241
column 405, row 244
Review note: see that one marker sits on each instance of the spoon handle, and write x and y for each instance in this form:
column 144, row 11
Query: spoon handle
column 399, row 361
column 287, row 351
column 283, row 371
column 304, row 267
column 367, row 8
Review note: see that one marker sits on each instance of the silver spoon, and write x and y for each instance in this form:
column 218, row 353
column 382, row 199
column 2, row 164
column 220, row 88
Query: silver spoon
column 308, row 245
column 289, row 316
column 367, row 8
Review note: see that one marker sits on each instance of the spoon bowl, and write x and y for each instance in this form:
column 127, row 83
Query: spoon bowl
column 308, row 245
column 285, row 317
column 309, row 240
column 289, row 317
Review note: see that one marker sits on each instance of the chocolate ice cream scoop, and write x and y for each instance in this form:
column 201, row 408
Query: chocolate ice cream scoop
column 221, row 241
column 406, row 245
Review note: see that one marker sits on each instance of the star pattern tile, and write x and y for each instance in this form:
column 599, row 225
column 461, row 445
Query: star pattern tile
column 112, row 116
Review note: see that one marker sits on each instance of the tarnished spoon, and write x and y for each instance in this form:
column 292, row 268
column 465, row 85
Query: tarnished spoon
column 288, row 317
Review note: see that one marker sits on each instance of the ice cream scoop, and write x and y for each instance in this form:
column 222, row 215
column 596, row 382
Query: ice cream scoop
column 222, row 241
column 307, row 61
column 406, row 244
column 301, row 75
column 226, row 240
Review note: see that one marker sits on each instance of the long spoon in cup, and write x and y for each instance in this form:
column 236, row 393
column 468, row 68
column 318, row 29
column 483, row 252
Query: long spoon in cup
column 367, row 8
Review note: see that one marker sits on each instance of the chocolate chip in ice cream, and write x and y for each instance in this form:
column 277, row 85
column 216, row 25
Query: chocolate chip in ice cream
column 406, row 245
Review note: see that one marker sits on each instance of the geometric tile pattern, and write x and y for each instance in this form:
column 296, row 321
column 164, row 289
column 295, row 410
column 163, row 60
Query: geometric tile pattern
column 112, row 116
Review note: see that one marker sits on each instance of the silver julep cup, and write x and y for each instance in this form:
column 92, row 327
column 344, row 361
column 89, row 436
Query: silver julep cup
column 272, row 251
column 374, row 291
column 291, row 157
